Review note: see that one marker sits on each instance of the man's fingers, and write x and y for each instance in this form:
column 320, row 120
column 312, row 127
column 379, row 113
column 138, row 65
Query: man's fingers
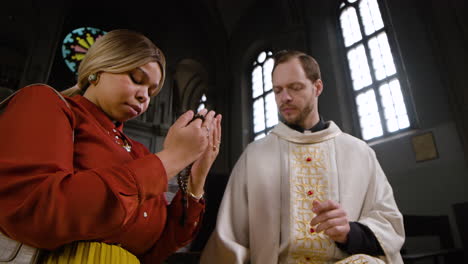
column 336, row 231
column 324, row 216
column 331, row 223
column 319, row 207
column 331, row 219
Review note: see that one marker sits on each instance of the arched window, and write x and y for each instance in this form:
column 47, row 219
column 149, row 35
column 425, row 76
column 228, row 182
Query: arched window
column 376, row 85
column 265, row 114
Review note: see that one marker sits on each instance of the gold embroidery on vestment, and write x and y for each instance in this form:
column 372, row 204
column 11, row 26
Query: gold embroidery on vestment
column 309, row 166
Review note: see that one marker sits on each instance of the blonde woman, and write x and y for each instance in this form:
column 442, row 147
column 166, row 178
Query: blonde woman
column 73, row 183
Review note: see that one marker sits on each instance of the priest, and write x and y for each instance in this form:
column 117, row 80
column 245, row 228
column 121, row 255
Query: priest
column 307, row 192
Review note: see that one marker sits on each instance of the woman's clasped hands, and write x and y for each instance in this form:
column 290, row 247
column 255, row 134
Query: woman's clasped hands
column 194, row 141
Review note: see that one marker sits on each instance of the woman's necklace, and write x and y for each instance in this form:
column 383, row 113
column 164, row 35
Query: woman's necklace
column 126, row 145
column 123, row 141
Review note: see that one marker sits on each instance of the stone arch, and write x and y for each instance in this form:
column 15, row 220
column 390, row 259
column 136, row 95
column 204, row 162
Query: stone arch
column 191, row 82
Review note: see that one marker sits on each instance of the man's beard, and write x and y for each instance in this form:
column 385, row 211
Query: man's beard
column 300, row 119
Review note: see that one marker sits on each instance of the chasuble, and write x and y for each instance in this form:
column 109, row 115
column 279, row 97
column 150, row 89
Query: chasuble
column 267, row 206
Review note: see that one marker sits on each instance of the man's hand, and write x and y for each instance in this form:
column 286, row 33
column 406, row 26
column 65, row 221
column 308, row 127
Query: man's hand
column 331, row 219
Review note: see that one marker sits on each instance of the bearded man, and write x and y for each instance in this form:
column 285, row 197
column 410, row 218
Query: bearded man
column 307, row 192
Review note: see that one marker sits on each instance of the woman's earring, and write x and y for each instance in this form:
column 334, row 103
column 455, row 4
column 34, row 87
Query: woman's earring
column 93, row 78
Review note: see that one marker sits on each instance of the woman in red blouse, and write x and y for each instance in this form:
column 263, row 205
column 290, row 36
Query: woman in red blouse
column 68, row 173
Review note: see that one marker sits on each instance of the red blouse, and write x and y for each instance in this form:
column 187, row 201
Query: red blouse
column 55, row 190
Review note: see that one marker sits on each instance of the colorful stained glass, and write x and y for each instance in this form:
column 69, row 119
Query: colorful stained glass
column 76, row 44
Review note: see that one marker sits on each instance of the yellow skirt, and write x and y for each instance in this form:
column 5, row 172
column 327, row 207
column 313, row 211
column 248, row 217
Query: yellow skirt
column 89, row 252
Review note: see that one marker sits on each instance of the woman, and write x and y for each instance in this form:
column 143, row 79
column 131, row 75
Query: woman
column 73, row 183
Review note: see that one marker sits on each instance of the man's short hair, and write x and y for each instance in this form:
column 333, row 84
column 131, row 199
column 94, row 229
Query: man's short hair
column 309, row 64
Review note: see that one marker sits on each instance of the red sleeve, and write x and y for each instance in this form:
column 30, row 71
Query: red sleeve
column 175, row 235
column 43, row 202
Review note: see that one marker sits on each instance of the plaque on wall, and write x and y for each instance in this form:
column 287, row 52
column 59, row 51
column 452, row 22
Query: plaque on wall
column 424, row 147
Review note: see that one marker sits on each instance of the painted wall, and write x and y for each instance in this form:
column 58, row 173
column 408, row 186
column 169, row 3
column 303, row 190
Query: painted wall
column 429, row 187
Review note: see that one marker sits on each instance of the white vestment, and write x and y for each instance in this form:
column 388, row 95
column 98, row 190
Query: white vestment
column 265, row 214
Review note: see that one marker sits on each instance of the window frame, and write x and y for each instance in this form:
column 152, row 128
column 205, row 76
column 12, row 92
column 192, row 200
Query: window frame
column 252, row 64
column 400, row 74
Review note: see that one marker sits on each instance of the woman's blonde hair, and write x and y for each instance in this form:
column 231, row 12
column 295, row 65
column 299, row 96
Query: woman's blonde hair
column 118, row 51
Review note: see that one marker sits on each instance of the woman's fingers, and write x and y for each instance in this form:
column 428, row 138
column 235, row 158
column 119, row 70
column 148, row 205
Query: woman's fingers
column 208, row 122
column 217, row 133
column 184, row 119
column 199, row 118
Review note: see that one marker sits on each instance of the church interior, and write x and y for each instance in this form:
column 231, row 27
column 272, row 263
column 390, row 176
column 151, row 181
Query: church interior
column 217, row 52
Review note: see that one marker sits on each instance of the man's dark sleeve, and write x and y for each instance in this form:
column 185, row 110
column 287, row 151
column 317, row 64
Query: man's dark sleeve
column 361, row 240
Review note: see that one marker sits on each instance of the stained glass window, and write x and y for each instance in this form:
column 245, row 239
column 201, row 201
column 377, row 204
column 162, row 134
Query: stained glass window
column 265, row 114
column 376, row 86
column 76, row 44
